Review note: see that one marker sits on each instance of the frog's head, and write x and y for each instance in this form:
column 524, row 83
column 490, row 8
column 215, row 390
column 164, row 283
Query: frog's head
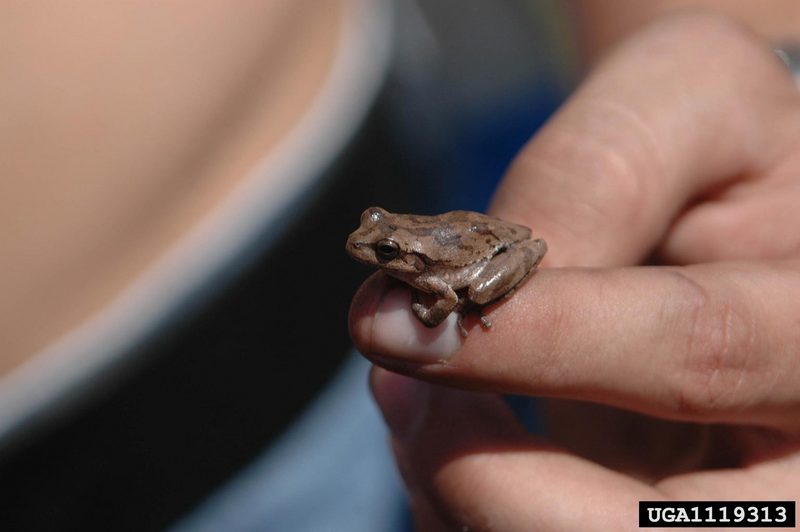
column 380, row 243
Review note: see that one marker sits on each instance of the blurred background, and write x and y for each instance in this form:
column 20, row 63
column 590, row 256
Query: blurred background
column 178, row 180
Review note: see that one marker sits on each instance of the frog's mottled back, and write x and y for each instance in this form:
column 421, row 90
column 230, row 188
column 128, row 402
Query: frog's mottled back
column 456, row 238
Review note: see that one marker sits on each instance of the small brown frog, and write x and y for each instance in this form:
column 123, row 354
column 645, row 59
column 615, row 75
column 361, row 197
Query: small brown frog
column 463, row 259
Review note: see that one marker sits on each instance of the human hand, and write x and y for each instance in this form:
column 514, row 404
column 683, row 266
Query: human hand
column 682, row 149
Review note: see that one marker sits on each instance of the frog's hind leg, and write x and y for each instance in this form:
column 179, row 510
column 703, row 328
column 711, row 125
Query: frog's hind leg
column 505, row 272
column 487, row 323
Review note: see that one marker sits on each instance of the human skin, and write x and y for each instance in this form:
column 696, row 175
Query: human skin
column 679, row 379
column 602, row 23
column 124, row 124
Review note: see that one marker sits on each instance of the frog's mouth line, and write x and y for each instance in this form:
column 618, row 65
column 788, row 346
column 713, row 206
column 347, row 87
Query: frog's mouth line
column 360, row 251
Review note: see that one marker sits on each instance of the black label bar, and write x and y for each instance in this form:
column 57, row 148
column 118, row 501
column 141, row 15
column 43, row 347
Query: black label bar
column 728, row 514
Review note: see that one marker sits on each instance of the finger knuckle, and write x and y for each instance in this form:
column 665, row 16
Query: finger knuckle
column 613, row 173
column 718, row 354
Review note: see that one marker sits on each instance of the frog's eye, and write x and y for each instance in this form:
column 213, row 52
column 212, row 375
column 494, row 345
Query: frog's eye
column 387, row 249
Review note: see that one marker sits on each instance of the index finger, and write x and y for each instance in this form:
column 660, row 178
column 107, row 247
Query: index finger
column 694, row 343
column 655, row 126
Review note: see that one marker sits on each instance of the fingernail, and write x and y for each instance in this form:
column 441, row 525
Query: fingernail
column 402, row 400
column 362, row 308
column 397, row 333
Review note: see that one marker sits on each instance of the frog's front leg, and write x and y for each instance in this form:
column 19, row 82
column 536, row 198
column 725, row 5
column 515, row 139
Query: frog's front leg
column 505, row 271
column 446, row 301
